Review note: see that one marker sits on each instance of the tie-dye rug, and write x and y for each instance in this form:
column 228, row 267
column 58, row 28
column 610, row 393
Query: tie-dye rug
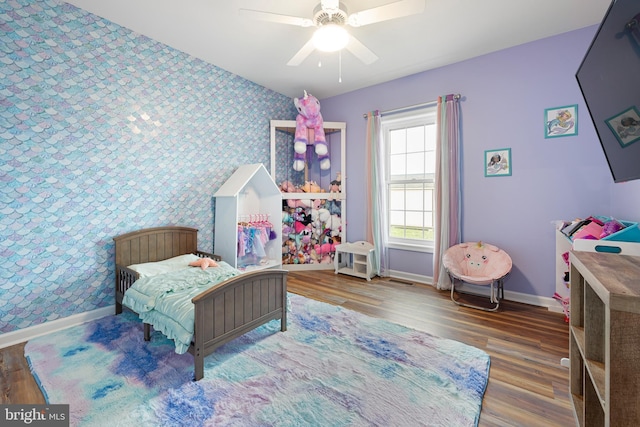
column 332, row 367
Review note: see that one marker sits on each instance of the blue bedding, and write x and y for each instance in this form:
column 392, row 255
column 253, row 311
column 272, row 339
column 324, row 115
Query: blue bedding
column 164, row 300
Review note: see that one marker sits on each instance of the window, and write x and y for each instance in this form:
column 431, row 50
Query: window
column 410, row 146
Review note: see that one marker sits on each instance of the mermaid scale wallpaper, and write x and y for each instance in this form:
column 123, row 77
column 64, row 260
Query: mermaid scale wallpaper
column 104, row 131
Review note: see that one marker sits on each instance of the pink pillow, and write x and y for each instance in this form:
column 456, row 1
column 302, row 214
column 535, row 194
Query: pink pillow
column 203, row 263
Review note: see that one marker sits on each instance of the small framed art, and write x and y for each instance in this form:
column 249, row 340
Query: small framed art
column 561, row 121
column 626, row 126
column 497, row 162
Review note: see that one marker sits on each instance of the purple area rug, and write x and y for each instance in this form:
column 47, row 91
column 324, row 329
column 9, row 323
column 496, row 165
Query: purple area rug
column 333, row 367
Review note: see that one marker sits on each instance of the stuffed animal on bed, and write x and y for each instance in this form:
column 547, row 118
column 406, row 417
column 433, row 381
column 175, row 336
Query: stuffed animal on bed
column 203, row 263
column 309, row 122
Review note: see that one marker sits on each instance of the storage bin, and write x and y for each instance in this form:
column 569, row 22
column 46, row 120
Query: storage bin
column 611, row 246
column 631, row 233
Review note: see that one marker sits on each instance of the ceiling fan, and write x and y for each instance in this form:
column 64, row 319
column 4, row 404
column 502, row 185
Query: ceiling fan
column 330, row 17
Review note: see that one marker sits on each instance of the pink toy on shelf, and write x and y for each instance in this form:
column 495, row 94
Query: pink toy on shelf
column 565, row 305
column 304, row 203
column 288, row 187
column 610, row 227
column 309, row 131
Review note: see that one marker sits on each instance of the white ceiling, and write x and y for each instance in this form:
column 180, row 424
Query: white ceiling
column 448, row 31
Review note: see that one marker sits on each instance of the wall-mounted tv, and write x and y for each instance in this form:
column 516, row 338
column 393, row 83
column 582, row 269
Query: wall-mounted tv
column 609, row 78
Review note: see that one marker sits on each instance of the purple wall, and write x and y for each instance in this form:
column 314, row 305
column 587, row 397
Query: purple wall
column 625, row 200
column 504, row 95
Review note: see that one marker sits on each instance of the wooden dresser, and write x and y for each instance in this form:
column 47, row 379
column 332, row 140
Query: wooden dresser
column 604, row 342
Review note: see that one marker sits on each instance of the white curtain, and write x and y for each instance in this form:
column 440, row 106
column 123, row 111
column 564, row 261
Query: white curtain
column 447, row 185
column 376, row 231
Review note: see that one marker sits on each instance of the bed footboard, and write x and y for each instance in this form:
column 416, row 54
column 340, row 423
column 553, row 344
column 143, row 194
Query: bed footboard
column 234, row 308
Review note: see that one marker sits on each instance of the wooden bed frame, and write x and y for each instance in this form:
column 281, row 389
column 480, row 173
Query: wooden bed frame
column 222, row 313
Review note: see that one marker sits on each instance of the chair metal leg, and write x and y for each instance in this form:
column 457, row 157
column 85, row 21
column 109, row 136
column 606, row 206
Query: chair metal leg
column 495, row 299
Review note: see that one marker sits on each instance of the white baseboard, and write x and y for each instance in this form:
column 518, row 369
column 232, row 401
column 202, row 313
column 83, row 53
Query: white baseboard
column 548, row 302
column 16, row 337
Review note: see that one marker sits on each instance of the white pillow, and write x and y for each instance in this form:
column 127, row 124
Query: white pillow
column 179, row 262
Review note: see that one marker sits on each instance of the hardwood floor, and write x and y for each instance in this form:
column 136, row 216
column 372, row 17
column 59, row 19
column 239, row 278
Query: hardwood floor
column 527, row 386
column 16, row 382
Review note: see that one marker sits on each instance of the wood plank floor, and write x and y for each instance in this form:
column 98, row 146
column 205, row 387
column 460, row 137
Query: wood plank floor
column 527, row 386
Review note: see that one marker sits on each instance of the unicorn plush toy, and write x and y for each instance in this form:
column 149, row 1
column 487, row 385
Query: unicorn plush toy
column 309, row 131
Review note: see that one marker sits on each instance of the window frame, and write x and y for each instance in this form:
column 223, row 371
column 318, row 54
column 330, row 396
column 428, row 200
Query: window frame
column 423, row 116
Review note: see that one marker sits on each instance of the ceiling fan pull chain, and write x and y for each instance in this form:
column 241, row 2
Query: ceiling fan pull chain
column 340, row 66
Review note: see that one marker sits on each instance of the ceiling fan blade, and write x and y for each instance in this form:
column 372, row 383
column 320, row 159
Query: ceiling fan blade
column 389, row 11
column 302, row 54
column 360, row 51
column 275, row 17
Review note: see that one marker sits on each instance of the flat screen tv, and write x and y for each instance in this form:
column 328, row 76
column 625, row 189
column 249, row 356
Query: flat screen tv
column 609, row 78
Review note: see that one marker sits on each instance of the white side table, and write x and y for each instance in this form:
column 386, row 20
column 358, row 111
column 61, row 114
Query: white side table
column 355, row 259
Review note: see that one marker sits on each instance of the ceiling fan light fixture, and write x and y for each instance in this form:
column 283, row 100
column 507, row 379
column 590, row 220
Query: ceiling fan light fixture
column 330, row 38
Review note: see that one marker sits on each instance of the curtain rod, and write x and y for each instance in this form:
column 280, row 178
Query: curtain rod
column 410, row 107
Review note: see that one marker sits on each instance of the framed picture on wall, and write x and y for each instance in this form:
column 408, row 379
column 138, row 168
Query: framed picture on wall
column 497, row 162
column 561, row 121
column 626, row 126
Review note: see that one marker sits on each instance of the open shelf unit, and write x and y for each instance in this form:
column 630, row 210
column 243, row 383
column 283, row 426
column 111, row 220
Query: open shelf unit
column 319, row 253
column 355, row 259
column 604, row 346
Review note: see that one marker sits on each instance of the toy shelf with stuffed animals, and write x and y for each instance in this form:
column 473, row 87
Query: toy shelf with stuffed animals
column 594, row 234
column 313, row 199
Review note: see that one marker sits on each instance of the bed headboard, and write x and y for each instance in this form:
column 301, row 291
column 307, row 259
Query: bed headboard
column 155, row 244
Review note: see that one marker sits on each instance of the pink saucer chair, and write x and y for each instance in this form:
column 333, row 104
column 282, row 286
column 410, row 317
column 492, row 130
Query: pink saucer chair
column 478, row 263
